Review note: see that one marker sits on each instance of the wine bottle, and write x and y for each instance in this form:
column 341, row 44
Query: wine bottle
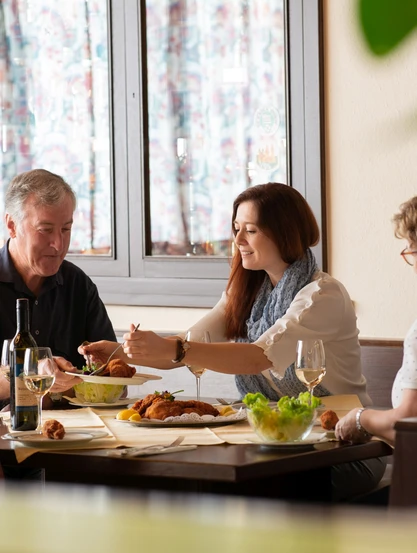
column 23, row 406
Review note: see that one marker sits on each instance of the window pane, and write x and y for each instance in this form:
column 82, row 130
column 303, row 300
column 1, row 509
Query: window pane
column 54, row 97
column 216, row 115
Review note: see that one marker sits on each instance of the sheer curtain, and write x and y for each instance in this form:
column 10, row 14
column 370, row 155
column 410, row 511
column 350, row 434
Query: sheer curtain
column 217, row 115
column 54, row 83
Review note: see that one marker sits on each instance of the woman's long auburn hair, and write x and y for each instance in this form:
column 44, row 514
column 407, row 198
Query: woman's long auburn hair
column 287, row 219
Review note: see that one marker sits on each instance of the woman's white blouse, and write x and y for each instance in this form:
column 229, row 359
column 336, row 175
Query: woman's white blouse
column 407, row 375
column 322, row 309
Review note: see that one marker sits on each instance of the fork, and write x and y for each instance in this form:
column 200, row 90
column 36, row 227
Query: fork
column 225, row 402
column 103, row 367
column 132, row 451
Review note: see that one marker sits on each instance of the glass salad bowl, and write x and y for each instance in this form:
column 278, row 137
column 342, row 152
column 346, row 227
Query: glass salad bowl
column 289, row 420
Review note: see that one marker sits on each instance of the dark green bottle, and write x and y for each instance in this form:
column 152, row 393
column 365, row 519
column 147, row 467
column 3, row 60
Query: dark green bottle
column 23, row 406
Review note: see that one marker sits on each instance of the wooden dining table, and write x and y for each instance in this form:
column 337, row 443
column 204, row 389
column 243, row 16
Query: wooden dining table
column 248, row 469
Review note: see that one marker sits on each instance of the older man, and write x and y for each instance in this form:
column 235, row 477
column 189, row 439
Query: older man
column 64, row 303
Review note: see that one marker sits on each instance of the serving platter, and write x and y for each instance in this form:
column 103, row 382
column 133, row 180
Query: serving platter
column 136, row 380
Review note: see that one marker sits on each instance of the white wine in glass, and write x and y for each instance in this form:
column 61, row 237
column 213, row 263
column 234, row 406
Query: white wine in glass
column 5, row 359
column 197, row 336
column 310, row 363
column 38, row 375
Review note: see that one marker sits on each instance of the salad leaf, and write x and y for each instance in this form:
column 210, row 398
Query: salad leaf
column 88, row 370
column 167, row 395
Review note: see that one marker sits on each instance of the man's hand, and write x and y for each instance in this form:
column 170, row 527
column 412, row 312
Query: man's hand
column 64, row 381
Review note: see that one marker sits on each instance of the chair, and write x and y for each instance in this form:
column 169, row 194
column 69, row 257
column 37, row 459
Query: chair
column 403, row 491
column 380, row 364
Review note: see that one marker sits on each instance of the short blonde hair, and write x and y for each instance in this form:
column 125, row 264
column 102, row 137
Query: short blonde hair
column 405, row 222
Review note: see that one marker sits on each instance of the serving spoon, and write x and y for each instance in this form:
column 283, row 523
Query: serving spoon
column 103, row 367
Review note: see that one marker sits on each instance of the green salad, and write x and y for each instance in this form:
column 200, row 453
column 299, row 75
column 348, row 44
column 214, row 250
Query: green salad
column 290, row 419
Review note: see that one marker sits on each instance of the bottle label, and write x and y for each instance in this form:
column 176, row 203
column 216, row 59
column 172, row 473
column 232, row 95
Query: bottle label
column 23, row 397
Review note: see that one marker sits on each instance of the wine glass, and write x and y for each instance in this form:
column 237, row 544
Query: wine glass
column 196, row 335
column 38, row 368
column 310, row 365
column 5, row 359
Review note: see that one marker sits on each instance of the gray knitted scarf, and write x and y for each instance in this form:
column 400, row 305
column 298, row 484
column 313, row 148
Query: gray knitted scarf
column 270, row 305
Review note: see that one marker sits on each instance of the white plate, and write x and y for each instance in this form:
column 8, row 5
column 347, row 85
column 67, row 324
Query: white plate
column 136, row 380
column 119, row 403
column 72, row 438
column 191, row 419
column 308, row 443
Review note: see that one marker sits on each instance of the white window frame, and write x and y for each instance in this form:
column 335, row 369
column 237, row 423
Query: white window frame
column 130, row 277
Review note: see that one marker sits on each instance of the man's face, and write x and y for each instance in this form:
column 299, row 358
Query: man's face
column 41, row 241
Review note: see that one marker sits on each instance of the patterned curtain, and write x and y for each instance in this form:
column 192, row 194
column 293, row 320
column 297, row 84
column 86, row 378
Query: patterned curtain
column 217, row 115
column 54, row 83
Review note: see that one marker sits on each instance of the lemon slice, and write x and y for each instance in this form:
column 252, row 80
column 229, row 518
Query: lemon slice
column 226, row 411
column 135, row 417
column 125, row 414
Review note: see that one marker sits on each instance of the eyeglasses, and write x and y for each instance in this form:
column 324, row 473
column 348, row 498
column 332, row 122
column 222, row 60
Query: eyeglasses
column 409, row 256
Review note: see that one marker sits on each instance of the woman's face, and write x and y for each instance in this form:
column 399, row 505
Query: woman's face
column 258, row 251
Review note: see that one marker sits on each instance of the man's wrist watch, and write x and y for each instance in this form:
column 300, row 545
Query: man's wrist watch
column 359, row 427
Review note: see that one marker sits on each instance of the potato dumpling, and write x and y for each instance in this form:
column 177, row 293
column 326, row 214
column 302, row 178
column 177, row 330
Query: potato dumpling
column 125, row 414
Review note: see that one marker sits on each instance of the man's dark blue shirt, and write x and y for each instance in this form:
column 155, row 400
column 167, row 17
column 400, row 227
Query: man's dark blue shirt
column 67, row 311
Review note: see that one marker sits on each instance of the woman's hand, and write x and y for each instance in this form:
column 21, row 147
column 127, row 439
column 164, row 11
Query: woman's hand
column 146, row 346
column 100, row 351
column 63, row 381
column 346, row 429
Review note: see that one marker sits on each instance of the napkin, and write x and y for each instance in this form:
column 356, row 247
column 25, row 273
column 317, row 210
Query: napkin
column 81, row 419
column 147, row 452
column 128, row 434
column 340, row 404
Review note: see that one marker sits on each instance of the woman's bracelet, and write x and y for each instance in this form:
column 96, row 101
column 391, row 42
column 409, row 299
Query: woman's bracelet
column 359, row 427
column 182, row 347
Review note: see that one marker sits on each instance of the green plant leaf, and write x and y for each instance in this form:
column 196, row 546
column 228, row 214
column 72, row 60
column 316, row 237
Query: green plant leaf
column 385, row 23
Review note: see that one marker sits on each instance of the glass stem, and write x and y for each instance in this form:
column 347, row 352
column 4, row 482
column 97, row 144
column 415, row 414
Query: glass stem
column 197, row 379
column 39, row 400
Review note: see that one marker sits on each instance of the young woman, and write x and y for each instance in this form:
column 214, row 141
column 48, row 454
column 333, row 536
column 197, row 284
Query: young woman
column 360, row 424
column 275, row 296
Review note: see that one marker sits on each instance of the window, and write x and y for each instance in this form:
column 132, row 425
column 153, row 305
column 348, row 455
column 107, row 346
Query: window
column 206, row 98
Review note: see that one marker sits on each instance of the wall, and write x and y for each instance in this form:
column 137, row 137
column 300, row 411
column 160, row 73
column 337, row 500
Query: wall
column 371, row 139
column 371, row 167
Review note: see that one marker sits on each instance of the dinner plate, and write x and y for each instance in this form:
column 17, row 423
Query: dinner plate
column 71, row 439
column 136, row 380
column 308, row 443
column 119, row 403
column 190, row 419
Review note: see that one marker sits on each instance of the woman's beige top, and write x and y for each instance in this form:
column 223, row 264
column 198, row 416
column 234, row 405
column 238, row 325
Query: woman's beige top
column 322, row 309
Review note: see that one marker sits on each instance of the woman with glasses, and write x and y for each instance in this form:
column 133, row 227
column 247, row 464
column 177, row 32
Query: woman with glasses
column 361, row 424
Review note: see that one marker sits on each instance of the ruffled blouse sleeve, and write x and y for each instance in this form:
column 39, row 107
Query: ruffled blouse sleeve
column 214, row 321
column 317, row 311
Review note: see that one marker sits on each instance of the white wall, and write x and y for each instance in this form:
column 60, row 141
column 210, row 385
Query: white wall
column 371, row 140
column 371, row 167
